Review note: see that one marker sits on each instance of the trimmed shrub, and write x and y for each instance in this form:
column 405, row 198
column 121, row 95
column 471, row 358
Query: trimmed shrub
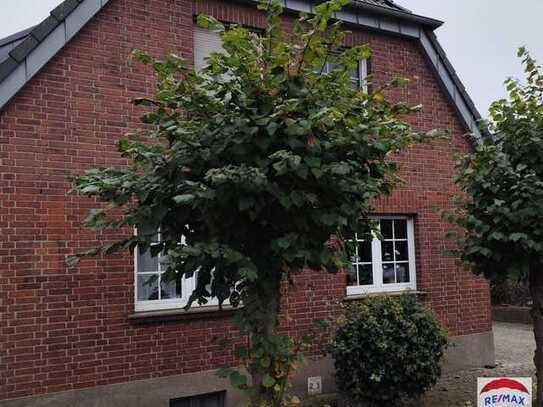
column 389, row 348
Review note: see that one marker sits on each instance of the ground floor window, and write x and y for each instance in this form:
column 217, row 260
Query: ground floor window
column 154, row 290
column 383, row 265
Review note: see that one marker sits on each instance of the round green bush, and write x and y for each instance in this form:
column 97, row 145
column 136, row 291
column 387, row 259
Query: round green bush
column 389, row 348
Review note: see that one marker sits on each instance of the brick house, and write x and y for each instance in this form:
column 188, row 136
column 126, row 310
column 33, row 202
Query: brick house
column 97, row 334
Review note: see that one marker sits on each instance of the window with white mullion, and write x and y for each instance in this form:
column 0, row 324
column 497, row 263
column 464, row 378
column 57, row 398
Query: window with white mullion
column 387, row 264
column 153, row 290
column 361, row 272
column 358, row 75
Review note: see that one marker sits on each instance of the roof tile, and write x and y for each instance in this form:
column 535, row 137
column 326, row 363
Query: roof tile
column 44, row 28
column 20, row 52
column 7, row 66
column 64, row 9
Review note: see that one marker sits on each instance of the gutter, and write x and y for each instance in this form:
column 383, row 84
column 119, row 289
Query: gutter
column 426, row 22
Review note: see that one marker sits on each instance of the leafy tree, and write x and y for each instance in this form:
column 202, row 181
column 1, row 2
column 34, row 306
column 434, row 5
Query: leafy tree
column 254, row 163
column 500, row 213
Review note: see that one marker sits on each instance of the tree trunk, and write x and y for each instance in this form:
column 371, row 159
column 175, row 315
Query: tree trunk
column 262, row 316
column 536, row 290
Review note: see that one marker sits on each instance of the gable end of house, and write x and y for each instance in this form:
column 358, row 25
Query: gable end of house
column 46, row 39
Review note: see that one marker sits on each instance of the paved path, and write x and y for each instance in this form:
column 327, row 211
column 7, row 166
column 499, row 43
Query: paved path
column 514, row 357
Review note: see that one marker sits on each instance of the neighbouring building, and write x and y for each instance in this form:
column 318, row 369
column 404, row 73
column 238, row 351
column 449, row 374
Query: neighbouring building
column 102, row 334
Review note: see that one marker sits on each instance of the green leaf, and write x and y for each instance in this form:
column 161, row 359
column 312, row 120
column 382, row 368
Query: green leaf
column 268, row 381
column 238, row 380
column 240, row 352
column 265, row 361
column 90, row 189
column 515, row 237
column 224, row 372
column 209, row 23
column 183, row 199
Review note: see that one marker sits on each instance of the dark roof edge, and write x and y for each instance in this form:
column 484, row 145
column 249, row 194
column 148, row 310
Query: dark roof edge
column 17, row 36
column 398, row 6
column 42, row 43
column 455, row 77
column 452, row 84
column 404, row 14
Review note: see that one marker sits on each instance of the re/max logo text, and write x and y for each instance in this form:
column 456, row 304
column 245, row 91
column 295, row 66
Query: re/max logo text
column 505, row 398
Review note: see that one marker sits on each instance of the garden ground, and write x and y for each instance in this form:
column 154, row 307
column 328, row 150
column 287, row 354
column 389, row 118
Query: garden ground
column 515, row 347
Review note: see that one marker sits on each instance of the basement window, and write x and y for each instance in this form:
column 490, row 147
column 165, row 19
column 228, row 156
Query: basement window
column 205, row 400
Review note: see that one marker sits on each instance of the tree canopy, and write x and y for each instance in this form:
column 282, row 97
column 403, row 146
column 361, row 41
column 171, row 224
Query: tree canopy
column 500, row 214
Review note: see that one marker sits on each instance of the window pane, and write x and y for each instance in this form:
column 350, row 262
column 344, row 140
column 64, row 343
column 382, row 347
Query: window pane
column 351, row 275
column 364, row 251
column 402, row 252
column 164, row 262
column 147, row 263
column 366, row 274
column 386, row 228
column 402, row 272
column 400, row 229
column 351, row 248
column 170, row 288
column 147, row 287
column 355, row 75
column 388, row 274
column 387, row 251
column 148, row 233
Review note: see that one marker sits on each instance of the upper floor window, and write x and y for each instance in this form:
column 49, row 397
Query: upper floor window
column 358, row 75
column 383, row 265
column 206, row 42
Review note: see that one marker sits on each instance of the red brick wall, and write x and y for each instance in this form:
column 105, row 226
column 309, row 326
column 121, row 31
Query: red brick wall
column 66, row 328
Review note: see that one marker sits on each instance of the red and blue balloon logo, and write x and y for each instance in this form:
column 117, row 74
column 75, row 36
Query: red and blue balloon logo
column 504, row 392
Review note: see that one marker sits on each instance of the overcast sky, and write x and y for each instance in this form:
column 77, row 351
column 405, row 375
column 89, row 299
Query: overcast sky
column 479, row 36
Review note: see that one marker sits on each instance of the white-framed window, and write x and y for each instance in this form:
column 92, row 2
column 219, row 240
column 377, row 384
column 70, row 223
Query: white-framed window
column 207, row 41
column 358, row 75
column 384, row 265
column 153, row 291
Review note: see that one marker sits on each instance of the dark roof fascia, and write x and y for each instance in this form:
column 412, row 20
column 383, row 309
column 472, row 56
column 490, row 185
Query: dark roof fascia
column 452, row 85
column 399, row 7
column 452, row 72
column 400, row 13
column 14, row 37
column 404, row 14
column 42, row 42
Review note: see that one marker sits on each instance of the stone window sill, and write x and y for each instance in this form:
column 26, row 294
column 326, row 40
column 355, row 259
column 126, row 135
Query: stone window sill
column 389, row 293
column 202, row 312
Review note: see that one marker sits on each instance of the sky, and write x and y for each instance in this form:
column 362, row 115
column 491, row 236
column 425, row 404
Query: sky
column 480, row 36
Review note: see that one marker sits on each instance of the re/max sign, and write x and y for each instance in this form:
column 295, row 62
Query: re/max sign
column 504, row 392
